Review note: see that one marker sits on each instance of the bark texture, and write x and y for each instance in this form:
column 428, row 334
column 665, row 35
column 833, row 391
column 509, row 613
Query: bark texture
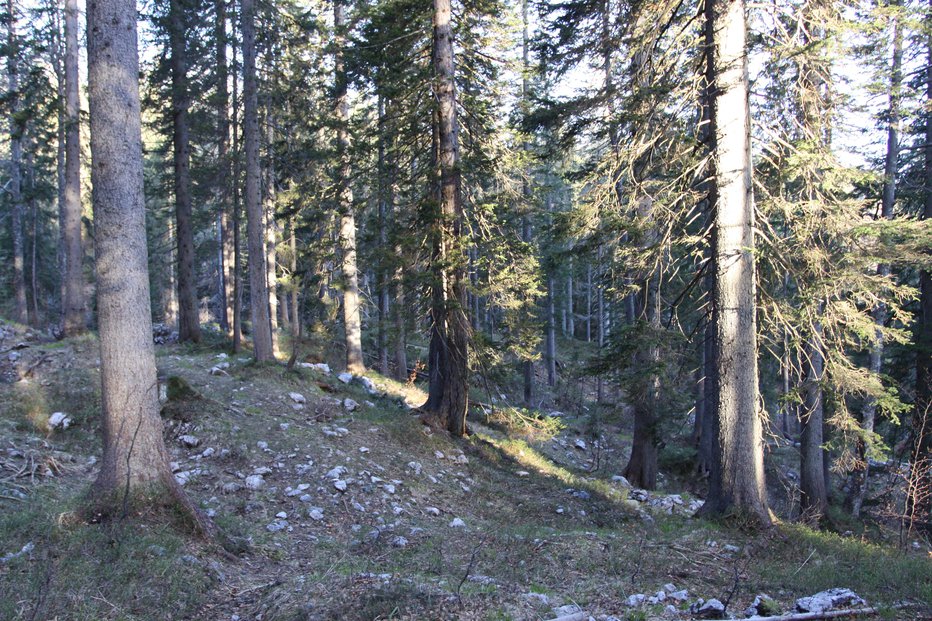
column 134, row 468
column 20, row 311
column 351, row 306
column 189, row 328
column 72, row 254
column 258, row 288
column 736, row 484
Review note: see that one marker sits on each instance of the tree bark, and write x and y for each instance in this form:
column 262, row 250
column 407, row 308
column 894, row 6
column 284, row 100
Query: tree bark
column 385, row 207
column 736, row 484
column 189, row 328
column 134, row 468
column 813, row 497
column 73, row 302
column 258, row 289
column 551, row 333
column 227, row 250
column 351, row 303
column 236, row 267
column 888, row 198
column 20, row 310
column 450, row 327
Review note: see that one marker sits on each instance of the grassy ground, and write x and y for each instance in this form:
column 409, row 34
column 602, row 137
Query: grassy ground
column 543, row 523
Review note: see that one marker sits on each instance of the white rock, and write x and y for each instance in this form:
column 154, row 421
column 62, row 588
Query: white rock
column 388, row 487
column 189, row 441
column 457, row 523
column 635, row 600
column 336, row 473
column 350, row 405
column 297, row 397
column 557, row 414
column 416, row 466
column 523, row 473
column 432, row 511
column 209, row 451
column 399, row 542
column 262, row 470
column 340, row 485
column 59, row 420
column 263, row 446
column 569, row 609
column 829, row 600
column 439, row 455
column 368, row 384
column 580, row 444
column 620, row 479
column 276, row 526
column 315, row 513
column 712, row 609
column 363, row 449
column 680, row 596
column 255, row 482
column 281, row 514
column 346, row 378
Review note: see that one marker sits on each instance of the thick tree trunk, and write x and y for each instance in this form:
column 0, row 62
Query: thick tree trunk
column 134, row 469
column 737, row 478
column 450, row 323
column 351, row 302
column 888, row 198
column 271, row 229
column 20, row 311
column 189, row 328
column 385, row 206
column 258, row 289
column 236, row 267
column 73, row 302
column 813, row 497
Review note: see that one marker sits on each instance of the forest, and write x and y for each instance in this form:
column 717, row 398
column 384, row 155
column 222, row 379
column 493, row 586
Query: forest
column 557, row 310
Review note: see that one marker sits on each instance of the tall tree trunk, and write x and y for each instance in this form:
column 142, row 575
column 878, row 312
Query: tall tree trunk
column 223, row 181
column 73, row 302
column 134, row 468
column 888, row 198
column 20, row 311
column 271, row 225
column 919, row 501
column 526, row 232
column 258, row 289
column 189, row 328
column 813, row 498
column 589, row 302
column 385, row 206
column 736, row 483
column 351, row 302
column 570, row 309
column 450, row 322
column 236, row 267
column 551, row 333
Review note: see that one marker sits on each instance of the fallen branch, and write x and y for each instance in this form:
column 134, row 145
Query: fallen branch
column 832, row 614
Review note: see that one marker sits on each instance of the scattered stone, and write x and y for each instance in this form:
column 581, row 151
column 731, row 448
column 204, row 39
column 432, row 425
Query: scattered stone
column 569, row 609
column 336, row 473
column 26, row 549
column 346, row 378
column 670, row 610
column 537, row 598
column 231, row 487
column 315, row 513
column 262, row 446
column 680, row 596
column 219, row 369
column 319, row 366
column 262, row 470
column 399, row 542
column 439, row 455
column 340, row 485
column 297, row 397
column 363, row 449
column 59, row 420
column 457, row 523
column 350, row 405
column 416, row 466
column 523, row 473
column 433, row 511
column 368, row 384
column 277, row 526
column 557, row 414
column 255, row 482
column 580, row 444
column 388, row 487
column 189, row 441
column 281, row 514
column 831, row 599
column 658, row 597
column 622, row 480
column 635, row 600
column 208, row 452
column 712, row 609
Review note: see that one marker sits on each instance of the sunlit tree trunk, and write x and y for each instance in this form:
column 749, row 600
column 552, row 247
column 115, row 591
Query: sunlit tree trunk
column 258, row 289
column 236, row 267
column 450, row 323
column 227, row 250
column 736, row 483
column 134, row 469
column 813, row 499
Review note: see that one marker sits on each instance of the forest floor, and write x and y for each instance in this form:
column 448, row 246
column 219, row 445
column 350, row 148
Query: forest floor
column 341, row 509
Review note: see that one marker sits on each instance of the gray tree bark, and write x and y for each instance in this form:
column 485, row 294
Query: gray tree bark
column 73, row 302
column 258, row 289
column 813, row 498
column 20, row 310
column 351, row 303
column 736, row 482
column 189, row 328
column 227, row 249
column 888, row 198
column 134, row 468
